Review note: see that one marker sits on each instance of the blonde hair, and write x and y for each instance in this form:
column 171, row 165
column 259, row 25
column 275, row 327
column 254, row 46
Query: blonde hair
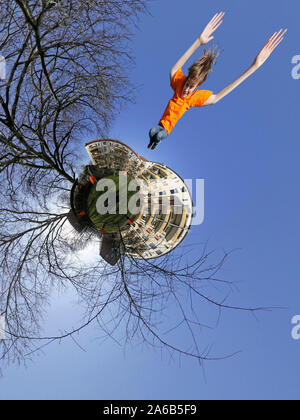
column 199, row 71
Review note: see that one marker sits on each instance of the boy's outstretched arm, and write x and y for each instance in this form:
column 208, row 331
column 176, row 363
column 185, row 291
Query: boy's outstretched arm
column 203, row 39
column 262, row 56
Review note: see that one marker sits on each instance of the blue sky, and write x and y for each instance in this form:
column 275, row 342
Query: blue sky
column 247, row 149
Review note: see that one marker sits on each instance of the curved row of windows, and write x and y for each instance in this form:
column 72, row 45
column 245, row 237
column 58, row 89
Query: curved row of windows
column 164, row 216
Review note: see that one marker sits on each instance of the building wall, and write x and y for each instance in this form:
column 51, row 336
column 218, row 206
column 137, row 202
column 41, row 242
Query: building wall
column 166, row 206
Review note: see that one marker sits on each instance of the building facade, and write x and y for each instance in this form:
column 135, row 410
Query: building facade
column 164, row 213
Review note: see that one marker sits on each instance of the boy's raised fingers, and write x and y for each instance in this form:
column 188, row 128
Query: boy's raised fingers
column 272, row 37
column 279, row 37
column 216, row 27
column 277, row 43
column 218, row 20
column 217, row 17
column 277, row 34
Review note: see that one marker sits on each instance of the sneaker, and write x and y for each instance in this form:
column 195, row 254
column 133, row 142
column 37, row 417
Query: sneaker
column 153, row 144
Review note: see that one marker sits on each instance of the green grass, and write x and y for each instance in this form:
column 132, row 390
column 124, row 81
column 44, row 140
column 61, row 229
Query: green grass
column 110, row 222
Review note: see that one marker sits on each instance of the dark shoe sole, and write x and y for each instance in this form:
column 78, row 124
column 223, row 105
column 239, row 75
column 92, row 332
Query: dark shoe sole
column 152, row 146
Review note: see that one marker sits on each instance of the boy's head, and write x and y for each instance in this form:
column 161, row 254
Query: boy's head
column 199, row 71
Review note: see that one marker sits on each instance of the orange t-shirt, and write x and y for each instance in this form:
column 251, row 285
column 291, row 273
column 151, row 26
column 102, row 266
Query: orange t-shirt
column 177, row 106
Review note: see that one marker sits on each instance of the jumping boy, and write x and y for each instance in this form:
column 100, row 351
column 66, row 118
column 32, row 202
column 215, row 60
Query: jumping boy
column 185, row 87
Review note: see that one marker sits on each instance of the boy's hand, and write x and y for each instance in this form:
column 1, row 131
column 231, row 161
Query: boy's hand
column 210, row 28
column 268, row 48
